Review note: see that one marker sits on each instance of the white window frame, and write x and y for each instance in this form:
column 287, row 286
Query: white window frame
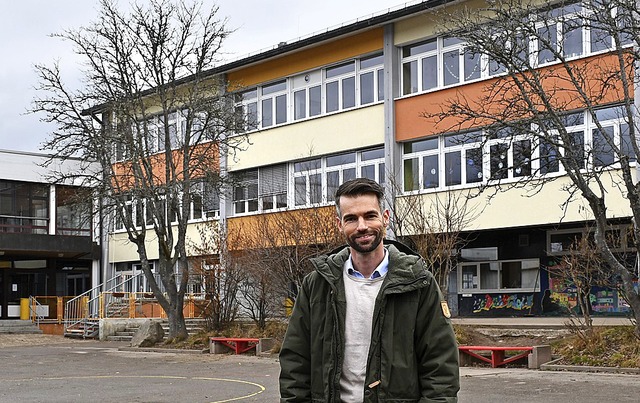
column 277, row 90
column 528, row 284
column 339, row 79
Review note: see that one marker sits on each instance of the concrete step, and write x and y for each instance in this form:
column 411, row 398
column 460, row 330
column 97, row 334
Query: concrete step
column 16, row 326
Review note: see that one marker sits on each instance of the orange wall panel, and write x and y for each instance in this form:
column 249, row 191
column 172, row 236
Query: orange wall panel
column 307, row 59
column 411, row 122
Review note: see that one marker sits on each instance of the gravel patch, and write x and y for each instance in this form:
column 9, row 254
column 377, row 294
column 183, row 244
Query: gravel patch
column 16, row 340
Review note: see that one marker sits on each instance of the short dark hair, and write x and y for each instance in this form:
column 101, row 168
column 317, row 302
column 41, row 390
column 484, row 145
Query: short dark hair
column 359, row 187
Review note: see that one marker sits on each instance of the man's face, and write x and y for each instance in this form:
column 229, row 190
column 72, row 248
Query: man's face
column 362, row 223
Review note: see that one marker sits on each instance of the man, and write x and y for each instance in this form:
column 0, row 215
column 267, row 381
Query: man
column 369, row 324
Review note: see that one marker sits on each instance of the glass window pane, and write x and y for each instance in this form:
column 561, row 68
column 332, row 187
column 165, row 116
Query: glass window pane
column 300, row 104
column 429, row 72
column 489, row 276
column 474, row 165
column 522, row 158
column 469, row 276
column 548, row 158
column 371, row 61
column 411, row 175
column 626, row 145
column 275, row 87
column 599, row 37
column 602, row 146
column 372, row 154
column 315, row 188
column 348, row 174
column 511, row 275
column 547, row 43
column 315, row 101
column 452, row 166
column 281, row 109
column 252, row 116
column 332, row 97
column 381, row 174
column 366, row 88
column 341, row 159
column 451, row 67
column 267, row 112
column 418, row 48
column 368, row 171
column 422, row 145
column 333, row 182
column 498, row 160
column 340, row 70
column 307, row 165
column 430, row 172
column 572, row 39
column 381, row 85
column 471, row 65
column 409, row 77
column 575, row 148
column 349, row 92
column 300, row 190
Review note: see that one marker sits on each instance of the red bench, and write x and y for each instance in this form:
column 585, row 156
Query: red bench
column 237, row 344
column 497, row 354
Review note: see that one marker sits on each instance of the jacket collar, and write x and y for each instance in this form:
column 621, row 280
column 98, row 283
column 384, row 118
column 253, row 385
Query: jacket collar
column 405, row 266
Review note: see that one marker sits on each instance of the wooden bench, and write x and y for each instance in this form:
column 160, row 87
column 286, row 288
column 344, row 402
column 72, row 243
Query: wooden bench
column 237, row 344
column 497, row 354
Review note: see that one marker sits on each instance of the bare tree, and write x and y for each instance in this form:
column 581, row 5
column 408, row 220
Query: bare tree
column 539, row 87
column 274, row 250
column 152, row 121
column 434, row 230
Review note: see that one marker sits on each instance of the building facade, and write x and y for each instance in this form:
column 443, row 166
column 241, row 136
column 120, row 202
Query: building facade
column 49, row 246
column 352, row 102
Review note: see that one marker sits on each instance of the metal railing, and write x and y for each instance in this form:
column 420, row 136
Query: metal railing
column 83, row 311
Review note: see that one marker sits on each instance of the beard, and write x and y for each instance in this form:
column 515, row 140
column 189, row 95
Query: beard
column 365, row 248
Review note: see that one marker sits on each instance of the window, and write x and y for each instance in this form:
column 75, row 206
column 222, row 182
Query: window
column 372, row 165
column 307, row 182
column 245, row 192
column 24, row 207
column 307, row 95
column 274, row 103
column 73, row 213
column 458, row 62
column 210, row 201
column 371, row 76
column 521, row 275
column 273, row 187
column 420, row 67
column 247, row 110
column 463, row 158
column 339, row 169
column 421, row 156
column 315, row 181
column 340, row 87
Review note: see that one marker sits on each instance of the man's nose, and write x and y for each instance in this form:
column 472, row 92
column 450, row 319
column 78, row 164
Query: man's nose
column 362, row 224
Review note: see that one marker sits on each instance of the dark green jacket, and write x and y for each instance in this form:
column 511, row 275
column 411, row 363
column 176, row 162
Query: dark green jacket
column 413, row 349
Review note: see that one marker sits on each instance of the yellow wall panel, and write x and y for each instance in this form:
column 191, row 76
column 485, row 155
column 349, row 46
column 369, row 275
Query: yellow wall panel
column 519, row 207
column 121, row 250
column 344, row 131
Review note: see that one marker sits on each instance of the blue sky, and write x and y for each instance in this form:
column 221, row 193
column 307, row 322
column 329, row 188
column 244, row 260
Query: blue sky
column 25, row 27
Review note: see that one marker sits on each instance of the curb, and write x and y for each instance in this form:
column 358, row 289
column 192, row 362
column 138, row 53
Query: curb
column 163, row 350
column 551, row 366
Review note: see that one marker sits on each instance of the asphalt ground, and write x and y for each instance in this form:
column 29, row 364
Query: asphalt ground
column 83, row 371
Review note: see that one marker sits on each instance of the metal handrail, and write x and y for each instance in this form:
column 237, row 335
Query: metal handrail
column 33, row 310
column 86, row 306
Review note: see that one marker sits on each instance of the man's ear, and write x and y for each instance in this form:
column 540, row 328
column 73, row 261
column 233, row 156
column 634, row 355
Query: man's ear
column 385, row 217
column 339, row 223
